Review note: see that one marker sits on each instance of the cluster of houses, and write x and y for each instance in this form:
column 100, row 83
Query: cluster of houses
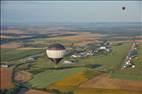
column 91, row 50
column 105, row 47
column 132, row 53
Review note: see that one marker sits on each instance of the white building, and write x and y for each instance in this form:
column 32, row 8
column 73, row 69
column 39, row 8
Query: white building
column 67, row 62
column 133, row 66
column 102, row 48
column 4, row 65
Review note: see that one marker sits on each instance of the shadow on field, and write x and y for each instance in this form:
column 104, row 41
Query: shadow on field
column 92, row 66
column 62, row 68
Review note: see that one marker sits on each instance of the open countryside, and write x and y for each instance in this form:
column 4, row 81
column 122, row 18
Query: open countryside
column 96, row 67
column 86, row 54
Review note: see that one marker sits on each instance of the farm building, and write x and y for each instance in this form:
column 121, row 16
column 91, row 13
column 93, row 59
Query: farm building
column 68, row 62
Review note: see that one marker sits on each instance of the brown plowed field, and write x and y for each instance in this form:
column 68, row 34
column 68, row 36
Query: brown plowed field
column 11, row 45
column 104, row 81
column 81, row 39
column 6, row 78
column 23, row 76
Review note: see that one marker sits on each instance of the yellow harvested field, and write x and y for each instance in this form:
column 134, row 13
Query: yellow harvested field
column 11, row 45
column 69, row 83
column 13, row 31
column 4, row 36
column 29, row 48
column 81, row 38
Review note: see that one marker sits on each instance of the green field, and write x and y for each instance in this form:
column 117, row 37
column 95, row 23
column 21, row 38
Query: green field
column 15, row 54
column 46, row 77
column 110, row 61
column 43, row 79
column 131, row 74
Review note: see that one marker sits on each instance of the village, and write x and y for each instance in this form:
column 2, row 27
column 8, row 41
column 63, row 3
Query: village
column 131, row 54
column 101, row 48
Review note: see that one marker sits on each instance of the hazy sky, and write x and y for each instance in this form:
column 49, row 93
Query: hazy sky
column 22, row 12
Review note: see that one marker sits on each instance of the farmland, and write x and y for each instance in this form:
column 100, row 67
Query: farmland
column 99, row 73
column 104, row 91
column 131, row 74
column 110, row 61
column 43, row 79
column 15, row 54
column 61, row 47
column 46, row 77
column 6, row 81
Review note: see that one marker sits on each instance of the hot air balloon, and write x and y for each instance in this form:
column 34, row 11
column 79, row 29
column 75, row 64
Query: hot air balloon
column 123, row 8
column 55, row 52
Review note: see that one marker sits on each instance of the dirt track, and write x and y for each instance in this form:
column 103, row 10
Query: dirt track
column 104, row 81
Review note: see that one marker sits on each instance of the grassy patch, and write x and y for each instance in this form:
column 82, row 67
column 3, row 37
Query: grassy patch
column 43, row 79
column 14, row 54
column 110, row 61
column 72, row 82
column 129, row 73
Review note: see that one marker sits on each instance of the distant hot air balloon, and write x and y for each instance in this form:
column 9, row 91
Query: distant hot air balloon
column 55, row 52
column 123, row 8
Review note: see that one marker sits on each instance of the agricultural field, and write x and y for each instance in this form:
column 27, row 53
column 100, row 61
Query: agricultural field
column 6, row 81
column 72, row 82
column 131, row 74
column 72, row 78
column 43, row 79
column 42, row 75
column 71, row 47
column 109, row 62
column 115, row 82
column 104, row 91
column 16, row 54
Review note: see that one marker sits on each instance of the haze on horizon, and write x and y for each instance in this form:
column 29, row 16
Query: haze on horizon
column 43, row 12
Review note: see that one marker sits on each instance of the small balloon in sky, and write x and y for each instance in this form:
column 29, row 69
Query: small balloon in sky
column 123, row 8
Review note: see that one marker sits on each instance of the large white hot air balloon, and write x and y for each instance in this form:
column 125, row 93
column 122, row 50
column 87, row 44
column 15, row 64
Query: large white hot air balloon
column 55, row 52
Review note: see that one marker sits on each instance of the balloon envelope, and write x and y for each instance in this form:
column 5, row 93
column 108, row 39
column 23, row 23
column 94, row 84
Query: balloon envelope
column 55, row 52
